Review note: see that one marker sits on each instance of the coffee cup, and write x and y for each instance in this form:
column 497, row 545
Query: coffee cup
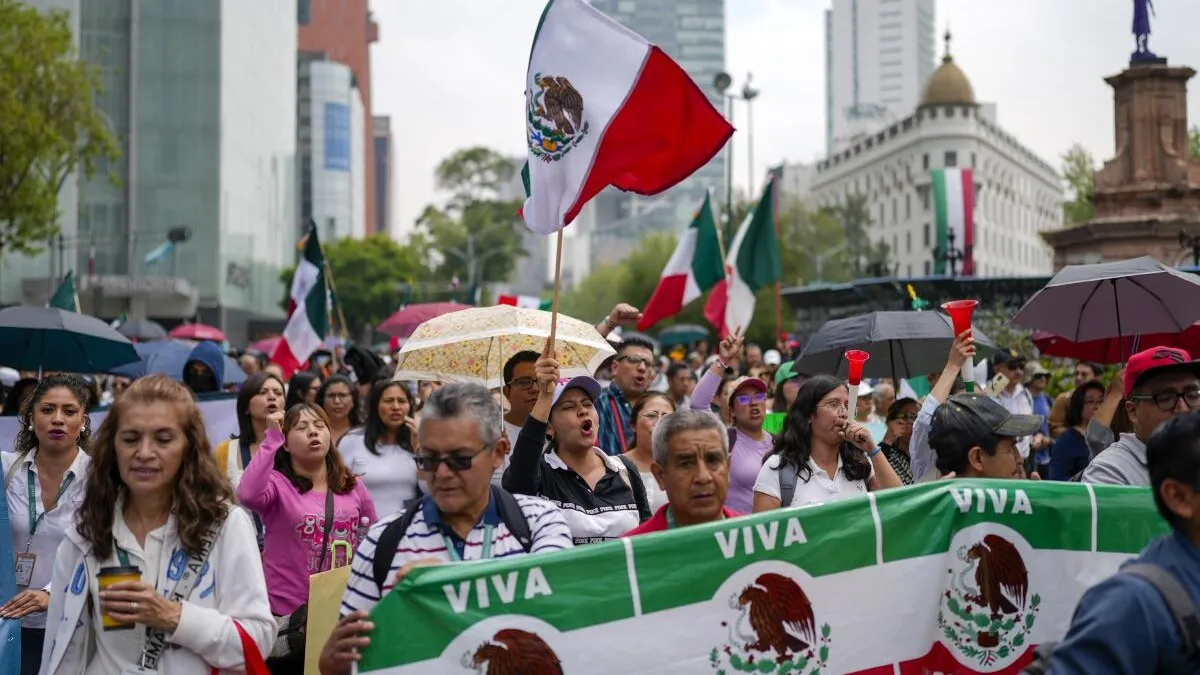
column 109, row 576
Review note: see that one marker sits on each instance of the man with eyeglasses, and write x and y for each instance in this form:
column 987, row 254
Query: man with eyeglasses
column 463, row 517
column 520, row 388
column 1160, row 382
column 632, row 375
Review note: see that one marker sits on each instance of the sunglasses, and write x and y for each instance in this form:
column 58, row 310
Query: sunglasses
column 455, row 462
column 746, row 399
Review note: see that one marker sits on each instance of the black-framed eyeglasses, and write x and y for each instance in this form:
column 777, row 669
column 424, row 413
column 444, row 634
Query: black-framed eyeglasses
column 455, row 462
column 636, row 361
column 1169, row 399
column 523, row 383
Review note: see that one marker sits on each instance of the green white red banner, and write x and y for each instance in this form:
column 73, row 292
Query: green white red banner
column 954, row 577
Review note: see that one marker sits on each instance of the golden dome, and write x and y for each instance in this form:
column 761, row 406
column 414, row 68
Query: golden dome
column 948, row 85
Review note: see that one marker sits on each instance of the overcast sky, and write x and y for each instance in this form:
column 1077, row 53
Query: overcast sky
column 451, row 74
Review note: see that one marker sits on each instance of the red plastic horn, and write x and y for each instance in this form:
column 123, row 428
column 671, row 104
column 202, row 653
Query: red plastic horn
column 960, row 312
column 857, row 358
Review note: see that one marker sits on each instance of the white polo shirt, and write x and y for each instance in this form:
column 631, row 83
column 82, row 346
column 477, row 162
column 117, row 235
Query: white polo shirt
column 1019, row 402
column 820, row 486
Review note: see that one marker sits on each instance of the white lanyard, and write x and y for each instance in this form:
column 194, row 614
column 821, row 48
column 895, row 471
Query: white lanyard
column 452, row 551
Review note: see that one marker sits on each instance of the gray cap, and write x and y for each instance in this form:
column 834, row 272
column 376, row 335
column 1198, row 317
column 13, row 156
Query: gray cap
column 965, row 419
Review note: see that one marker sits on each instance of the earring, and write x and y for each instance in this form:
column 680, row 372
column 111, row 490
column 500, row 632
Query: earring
column 30, row 428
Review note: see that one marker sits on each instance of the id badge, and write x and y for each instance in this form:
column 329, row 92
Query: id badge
column 23, row 568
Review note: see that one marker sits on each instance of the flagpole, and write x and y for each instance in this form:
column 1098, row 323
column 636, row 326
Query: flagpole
column 337, row 305
column 720, row 237
column 557, row 283
column 773, row 182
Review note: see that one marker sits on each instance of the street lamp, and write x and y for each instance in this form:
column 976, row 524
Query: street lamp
column 952, row 256
column 1191, row 241
column 722, row 82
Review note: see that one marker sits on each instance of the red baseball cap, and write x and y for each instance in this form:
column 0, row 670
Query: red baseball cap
column 1157, row 361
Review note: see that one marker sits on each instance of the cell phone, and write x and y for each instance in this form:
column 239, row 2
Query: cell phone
column 998, row 384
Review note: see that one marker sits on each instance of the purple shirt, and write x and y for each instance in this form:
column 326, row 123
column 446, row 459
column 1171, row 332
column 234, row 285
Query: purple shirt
column 294, row 525
column 746, row 455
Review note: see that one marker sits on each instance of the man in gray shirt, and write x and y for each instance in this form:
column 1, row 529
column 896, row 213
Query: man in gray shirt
column 1160, row 383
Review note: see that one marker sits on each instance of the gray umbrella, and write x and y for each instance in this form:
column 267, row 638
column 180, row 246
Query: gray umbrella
column 1112, row 300
column 143, row 330
column 901, row 344
column 42, row 338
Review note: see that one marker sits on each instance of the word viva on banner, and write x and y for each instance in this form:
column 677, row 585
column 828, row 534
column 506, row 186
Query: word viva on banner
column 953, row 577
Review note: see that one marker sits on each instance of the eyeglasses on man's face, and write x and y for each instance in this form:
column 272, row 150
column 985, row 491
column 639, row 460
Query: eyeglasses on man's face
column 456, row 461
column 636, row 361
column 1168, row 399
column 523, row 383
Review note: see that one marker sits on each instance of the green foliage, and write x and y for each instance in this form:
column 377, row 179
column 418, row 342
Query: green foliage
column 475, row 223
column 867, row 258
column 49, row 126
column 1078, row 169
column 368, row 274
column 1194, row 142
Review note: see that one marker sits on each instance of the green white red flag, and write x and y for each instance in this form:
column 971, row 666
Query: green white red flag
column 606, row 107
column 958, row 577
column 954, row 202
column 753, row 263
column 694, row 267
column 525, row 301
column 308, row 310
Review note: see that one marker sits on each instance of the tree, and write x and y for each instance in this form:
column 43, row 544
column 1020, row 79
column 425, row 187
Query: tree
column 1078, row 169
column 476, row 235
column 369, row 275
column 49, row 125
column 1194, row 142
column 867, row 258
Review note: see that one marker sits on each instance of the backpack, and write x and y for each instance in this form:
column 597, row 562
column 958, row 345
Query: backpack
column 1176, row 597
column 389, row 540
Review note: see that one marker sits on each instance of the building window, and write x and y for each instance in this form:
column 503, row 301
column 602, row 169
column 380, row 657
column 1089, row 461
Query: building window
column 972, row 160
column 925, row 199
column 925, row 161
column 895, row 213
column 908, row 242
column 909, row 271
column 951, row 158
column 925, row 236
column 926, row 268
column 303, row 12
column 907, row 206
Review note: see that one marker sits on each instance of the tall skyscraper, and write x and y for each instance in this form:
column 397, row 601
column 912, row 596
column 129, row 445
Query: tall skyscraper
column 693, row 33
column 202, row 99
column 878, row 56
column 343, row 31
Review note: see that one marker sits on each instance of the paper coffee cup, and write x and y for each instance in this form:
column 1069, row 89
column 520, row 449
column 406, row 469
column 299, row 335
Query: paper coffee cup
column 115, row 575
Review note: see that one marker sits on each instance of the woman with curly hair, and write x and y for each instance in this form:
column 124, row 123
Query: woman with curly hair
column 829, row 455
column 44, row 479
column 156, row 505
column 307, row 499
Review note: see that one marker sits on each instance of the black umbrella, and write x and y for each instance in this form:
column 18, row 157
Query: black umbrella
column 1114, row 300
column 143, row 330
column 42, row 338
column 901, row 344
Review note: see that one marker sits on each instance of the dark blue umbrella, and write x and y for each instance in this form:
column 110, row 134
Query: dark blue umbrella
column 42, row 338
column 167, row 357
column 683, row 334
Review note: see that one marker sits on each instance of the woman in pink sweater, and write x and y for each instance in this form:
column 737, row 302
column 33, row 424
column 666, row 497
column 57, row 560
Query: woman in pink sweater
column 294, row 480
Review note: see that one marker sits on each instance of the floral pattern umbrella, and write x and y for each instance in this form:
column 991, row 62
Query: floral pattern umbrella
column 472, row 345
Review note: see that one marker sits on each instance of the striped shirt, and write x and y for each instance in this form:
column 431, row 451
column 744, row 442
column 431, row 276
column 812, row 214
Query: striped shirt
column 428, row 537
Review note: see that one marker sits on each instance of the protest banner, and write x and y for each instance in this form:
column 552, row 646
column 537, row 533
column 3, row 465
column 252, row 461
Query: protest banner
column 953, row 577
column 219, row 411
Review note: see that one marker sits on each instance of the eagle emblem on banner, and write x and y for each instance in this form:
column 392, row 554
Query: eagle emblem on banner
column 555, row 117
column 782, row 635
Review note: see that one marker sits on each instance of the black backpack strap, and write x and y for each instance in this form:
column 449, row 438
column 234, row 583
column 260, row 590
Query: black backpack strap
column 787, row 483
column 513, row 517
column 389, row 541
column 1177, row 599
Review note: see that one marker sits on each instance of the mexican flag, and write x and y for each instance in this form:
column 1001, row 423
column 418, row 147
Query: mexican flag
column 606, row 107
column 308, row 310
column 694, row 267
column 954, row 201
column 65, row 297
column 526, row 301
column 753, row 263
column 959, row 577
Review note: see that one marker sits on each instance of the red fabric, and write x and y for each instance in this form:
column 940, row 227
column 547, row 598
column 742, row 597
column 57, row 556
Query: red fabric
column 1113, row 350
column 255, row 665
column 658, row 522
column 665, row 130
column 283, row 357
column 405, row 322
column 714, row 309
column 197, row 331
column 510, row 300
column 1153, row 359
column 666, row 301
column 968, row 193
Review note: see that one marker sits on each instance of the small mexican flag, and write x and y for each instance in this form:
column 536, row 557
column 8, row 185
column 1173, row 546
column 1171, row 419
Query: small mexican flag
column 526, row 301
column 606, row 107
column 753, row 263
column 954, row 200
column 65, row 297
column 308, row 310
column 694, row 267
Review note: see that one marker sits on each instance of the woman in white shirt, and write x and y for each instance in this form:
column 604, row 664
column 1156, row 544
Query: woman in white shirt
column 833, row 457
column 155, row 501
column 44, row 479
column 381, row 452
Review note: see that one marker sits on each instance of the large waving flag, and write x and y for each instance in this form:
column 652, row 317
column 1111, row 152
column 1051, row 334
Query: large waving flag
column 606, row 107
column 753, row 263
column 694, row 267
column 308, row 310
column 954, row 199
